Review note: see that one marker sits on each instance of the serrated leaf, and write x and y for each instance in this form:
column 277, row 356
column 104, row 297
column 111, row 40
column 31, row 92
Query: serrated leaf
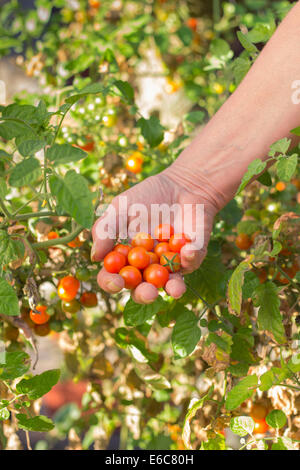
column 10, row 249
column 9, row 304
column 265, row 179
column 38, row 423
column 16, row 364
column 25, row 173
column 269, row 318
column 242, row 425
column 276, row 419
column 186, row 333
column 64, row 153
column 126, row 90
column 151, row 130
column 74, row 197
column 246, row 43
column 255, row 168
column 136, row 314
column 272, row 377
column 286, row 167
column 29, row 147
column 196, row 117
column 37, row 386
column 235, row 286
column 281, row 147
column 241, row 392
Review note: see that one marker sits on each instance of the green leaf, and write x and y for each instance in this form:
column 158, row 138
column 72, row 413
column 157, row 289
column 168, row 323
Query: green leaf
column 64, row 153
column 4, row 414
column 29, row 147
column 9, row 304
column 286, row 167
column 92, row 89
column 255, row 168
column 16, row 364
column 185, row 34
column 235, row 286
column 274, row 376
column 10, row 249
column 127, row 339
column 196, row 117
column 136, row 314
column 193, row 408
column 281, row 146
column 269, row 317
column 296, row 131
column 215, row 443
column 12, row 128
column 74, row 197
column 241, row 392
column 241, row 66
column 246, row 43
column 3, row 188
column 276, row 419
column 265, row 179
column 220, row 49
column 248, row 226
column 25, row 173
column 151, row 130
column 126, row 90
column 38, row 423
column 38, row 385
column 242, row 425
column 186, row 333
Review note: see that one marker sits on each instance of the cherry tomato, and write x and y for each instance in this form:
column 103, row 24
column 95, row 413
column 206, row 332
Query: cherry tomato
column 52, row 235
column 94, row 3
column 156, row 274
column 132, row 276
column 89, row 299
column 134, row 163
column 280, row 186
column 67, row 288
column 154, row 259
column 114, row 262
column 88, row 145
column 296, row 183
column 40, row 318
column 76, row 243
column 124, row 249
column 258, row 411
column 42, row 330
column 83, row 274
column 243, row 241
column 138, row 257
column 192, row 23
column 161, row 248
column 260, row 427
column 290, row 271
column 109, row 119
column 72, row 306
column 171, row 261
column 11, row 333
column 143, row 239
column 163, row 232
column 177, row 241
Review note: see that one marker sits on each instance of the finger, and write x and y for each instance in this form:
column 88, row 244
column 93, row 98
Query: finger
column 191, row 257
column 101, row 246
column 145, row 293
column 110, row 282
column 175, row 287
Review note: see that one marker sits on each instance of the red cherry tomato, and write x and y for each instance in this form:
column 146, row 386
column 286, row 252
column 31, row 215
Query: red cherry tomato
column 138, row 257
column 76, row 243
column 114, row 261
column 192, row 23
column 243, row 241
column 67, row 288
column 156, row 274
column 52, row 235
column 258, row 412
column 153, row 257
column 163, row 232
column 39, row 318
column 171, row 261
column 161, row 248
column 124, row 249
column 89, row 299
column 143, row 239
column 260, row 427
column 177, row 241
column 132, row 276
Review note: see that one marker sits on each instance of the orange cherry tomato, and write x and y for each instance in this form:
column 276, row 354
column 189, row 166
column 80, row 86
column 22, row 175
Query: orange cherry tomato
column 124, row 249
column 88, row 145
column 52, row 235
column 89, row 299
column 290, row 271
column 67, row 288
column 134, row 163
column 138, row 257
column 280, row 186
column 258, row 411
column 114, row 261
column 243, row 241
column 163, row 232
column 132, row 276
column 143, row 239
column 156, row 274
column 94, row 3
column 154, row 259
column 39, row 318
column 42, row 330
column 260, row 427
column 192, row 23
column 171, row 261
column 76, row 243
column 161, row 248
column 177, row 241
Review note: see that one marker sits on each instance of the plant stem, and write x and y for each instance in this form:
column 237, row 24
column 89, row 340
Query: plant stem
column 58, row 241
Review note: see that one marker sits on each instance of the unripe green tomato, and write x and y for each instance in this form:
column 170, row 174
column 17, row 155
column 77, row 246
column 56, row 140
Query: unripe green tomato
column 56, row 325
column 72, row 306
column 83, row 274
column 109, row 119
column 67, row 324
column 100, row 101
column 51, row 311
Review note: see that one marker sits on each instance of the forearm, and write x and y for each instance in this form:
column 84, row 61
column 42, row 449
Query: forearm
column 257, row 114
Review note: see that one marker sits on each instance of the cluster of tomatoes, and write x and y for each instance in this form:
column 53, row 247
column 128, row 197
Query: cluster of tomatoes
column 147, row 259
column 258, row 413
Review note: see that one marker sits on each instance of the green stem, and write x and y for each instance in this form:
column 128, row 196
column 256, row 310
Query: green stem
column 58, row 241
